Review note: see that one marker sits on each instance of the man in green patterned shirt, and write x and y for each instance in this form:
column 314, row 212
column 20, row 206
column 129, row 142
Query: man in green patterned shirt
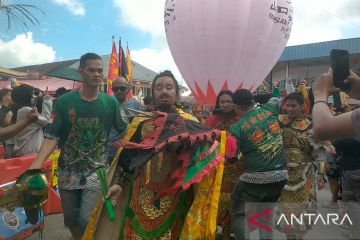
column 81, row 125
column 259, row 139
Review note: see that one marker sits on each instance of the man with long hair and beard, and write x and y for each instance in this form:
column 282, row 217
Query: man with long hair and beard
column 166, row 177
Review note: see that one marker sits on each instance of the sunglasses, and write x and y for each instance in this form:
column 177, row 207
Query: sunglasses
column 122, row 88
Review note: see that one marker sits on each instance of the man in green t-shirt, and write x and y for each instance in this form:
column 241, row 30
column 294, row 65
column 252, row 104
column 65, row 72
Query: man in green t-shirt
column 259, row 139
column 81, row 125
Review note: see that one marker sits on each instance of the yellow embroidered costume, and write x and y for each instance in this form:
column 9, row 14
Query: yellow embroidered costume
column 161, row 202
column 303, row 159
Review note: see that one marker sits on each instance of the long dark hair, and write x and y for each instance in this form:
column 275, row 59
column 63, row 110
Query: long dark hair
column 217, row 109
column 3, row 93
column 21, row 96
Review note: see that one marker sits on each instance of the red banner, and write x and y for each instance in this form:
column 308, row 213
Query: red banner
column 113, row 71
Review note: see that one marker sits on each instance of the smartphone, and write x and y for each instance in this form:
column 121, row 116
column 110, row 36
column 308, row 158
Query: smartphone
column 341, row 68
column 337, row 101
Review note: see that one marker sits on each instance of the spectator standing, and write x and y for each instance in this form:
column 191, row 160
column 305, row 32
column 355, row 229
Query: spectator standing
column 348, row 154
column 81, row 125
column 5, row 120
column 259, row 139
column 29, row 140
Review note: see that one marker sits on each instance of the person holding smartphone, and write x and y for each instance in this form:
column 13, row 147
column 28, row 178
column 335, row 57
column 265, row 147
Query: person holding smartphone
column 325, row 124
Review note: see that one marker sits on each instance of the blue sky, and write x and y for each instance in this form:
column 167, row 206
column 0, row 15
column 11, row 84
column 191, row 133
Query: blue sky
column 72, row 33
column 73, row 27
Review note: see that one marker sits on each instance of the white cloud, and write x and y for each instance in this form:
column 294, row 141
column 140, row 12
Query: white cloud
column 314, row 21
column 74, row 6
column 24, row 51
column 317, row 21
column 157, row 60
column 144, row 15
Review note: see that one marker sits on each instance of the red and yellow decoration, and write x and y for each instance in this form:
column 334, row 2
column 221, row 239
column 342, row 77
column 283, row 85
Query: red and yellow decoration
column 113, row 71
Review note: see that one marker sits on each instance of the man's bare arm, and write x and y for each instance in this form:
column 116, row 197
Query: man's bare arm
column 11, row 131
column 326, row 125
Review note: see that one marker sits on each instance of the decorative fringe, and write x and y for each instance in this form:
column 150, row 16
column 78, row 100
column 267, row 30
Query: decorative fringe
column 205, row 205
column 188, row 175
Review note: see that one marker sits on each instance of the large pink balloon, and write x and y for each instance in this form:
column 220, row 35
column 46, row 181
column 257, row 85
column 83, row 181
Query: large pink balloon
column 226, row 44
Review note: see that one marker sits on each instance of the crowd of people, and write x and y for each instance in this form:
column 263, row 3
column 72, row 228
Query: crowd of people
column 275, row 152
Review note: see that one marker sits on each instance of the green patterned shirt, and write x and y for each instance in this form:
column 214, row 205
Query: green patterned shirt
column 82, row 129
column 260, row 141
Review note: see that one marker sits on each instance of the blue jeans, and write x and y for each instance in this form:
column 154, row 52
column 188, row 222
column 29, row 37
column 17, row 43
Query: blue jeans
column 78, row 205
column 258, row 196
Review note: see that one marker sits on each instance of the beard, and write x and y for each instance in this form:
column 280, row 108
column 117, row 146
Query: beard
column 165, row 107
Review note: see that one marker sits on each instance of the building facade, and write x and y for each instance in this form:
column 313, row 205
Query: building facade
column 308, row 61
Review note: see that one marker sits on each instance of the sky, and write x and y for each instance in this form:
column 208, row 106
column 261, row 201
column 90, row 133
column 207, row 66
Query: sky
column 70, row 28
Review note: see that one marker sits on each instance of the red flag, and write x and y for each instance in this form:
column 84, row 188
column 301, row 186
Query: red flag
column 113, row 71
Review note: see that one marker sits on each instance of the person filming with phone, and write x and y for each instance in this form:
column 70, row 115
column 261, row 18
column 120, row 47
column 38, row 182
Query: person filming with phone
column 339, row 76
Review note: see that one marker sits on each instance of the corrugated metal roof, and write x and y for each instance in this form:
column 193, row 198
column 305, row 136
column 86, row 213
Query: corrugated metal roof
column 321, row 49
column 46, row 67
column 52, row 84
column 65, row 69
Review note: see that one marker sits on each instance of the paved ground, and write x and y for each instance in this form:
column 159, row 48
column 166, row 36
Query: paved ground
column 54, row 227
column 318, row 233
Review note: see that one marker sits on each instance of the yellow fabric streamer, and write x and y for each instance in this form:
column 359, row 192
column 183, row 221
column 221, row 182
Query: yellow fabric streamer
column 200, row 222
column 90, row 229
column 54, row 167
column 211, row 229
column 303, row 91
